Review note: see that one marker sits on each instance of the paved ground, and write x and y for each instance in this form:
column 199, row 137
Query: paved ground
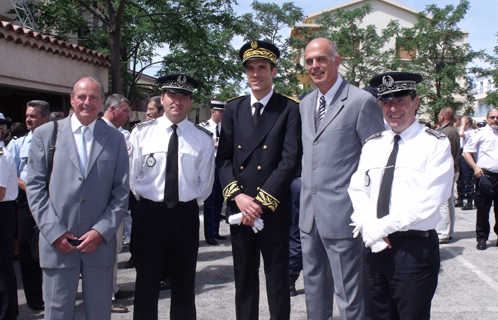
column 468, row 282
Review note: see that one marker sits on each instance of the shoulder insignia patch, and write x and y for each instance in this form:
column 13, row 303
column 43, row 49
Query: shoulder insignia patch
column 205, row 123
column 200, row 127
column 435, row 133
column 293, row 99
column 373, row 136
column 235, row 98
column 145, row 123
column 1, row 151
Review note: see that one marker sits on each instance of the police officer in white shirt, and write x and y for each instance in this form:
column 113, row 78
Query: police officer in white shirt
column 404, row 176
column 8, row 193
column 214, row 203
column 171, row 173
column 483, row 145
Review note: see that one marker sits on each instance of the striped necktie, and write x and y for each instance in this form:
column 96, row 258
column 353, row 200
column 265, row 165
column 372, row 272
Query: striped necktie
column 320, row 113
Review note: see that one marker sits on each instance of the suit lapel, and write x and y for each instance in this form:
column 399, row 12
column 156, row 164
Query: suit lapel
column 66, row 140
column 334, row 108
column 99, row 141
column 312, row 107
column 264, row 125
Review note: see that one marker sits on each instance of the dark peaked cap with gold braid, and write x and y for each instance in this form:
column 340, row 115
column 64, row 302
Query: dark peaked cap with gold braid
column 395, row 85
column 178, row 83
column 259, row 50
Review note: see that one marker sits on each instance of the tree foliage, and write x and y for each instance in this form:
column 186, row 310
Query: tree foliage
column 362, row 48
column 491, row 71
column 131, row 30
column 439, row 55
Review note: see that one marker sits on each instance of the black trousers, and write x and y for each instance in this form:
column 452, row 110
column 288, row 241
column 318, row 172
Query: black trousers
column 212, row 209
column 161, row 235
column 465, row 182
column 31, row 273
column 399, row 283
column 8, row 285
column 274, row 247
column 483, row 202
column 296, row 254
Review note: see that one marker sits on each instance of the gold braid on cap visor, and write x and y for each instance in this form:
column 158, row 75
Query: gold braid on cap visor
column 260, row 53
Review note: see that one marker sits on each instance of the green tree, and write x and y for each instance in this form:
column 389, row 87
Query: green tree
column 266, row 23
column 439, row 55
column 131, row 30
column 492, row 71
column 362, row 48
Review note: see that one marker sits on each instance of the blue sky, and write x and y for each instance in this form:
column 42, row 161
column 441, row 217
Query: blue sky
column 478, row 20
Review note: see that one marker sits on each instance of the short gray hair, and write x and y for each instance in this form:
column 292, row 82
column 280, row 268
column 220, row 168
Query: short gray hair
column 492, row 109
column 43, row 106
column 115, row 100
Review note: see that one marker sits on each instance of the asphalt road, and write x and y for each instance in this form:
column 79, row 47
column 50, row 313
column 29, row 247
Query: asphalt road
column 467, row 289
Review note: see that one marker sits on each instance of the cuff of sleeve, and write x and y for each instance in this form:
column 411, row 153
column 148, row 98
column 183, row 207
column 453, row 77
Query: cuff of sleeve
column 388, row 226
column 231, row 190
column 266, row 200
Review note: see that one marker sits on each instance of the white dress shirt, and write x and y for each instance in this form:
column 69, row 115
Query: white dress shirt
column 8, row 174
column 329, row 96
column 484, row 144
column 149, row 149
column 263, row 101
column 76, row 126
column 422, row 182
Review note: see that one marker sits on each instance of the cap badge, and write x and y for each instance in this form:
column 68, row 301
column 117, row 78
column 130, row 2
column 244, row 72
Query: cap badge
column 254, row 44
column 388, row 81
column 182, row 80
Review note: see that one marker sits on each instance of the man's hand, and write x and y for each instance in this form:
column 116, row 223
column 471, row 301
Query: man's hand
column 91, row 240
column 62, row 245
column 21, row 184
column 250, row 209
column 478, row 172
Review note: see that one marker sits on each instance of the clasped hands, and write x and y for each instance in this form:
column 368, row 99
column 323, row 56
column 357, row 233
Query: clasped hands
column 372, row 233
column 90, row 241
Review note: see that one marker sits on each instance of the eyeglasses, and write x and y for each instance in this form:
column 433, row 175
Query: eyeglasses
column 493, row 117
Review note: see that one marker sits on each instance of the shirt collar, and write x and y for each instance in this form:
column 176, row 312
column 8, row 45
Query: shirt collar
column 495, row 132
column 263, row 101
column 167, row 123
column 408, row 133
column 329, row 95
column 109, row 122
column 76, row 124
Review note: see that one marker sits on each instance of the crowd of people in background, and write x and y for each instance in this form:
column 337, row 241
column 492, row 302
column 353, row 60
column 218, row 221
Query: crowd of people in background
column 344, row 184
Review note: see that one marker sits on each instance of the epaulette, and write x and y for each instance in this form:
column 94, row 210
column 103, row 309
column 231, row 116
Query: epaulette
column 293, row 99
column 204, row 129
column 235, row 98
column 435, row 133
column 145, row 123
column 373, row 136
column 1, row 151
column 205, row 123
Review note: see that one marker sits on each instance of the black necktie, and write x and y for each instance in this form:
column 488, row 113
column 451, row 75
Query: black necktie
column 257, row 113
column 387, row 182
column 217, row 132
column 171, row 183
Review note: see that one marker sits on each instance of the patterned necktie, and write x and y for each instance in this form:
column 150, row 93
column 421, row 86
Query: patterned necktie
column 82, row 150
column 320, row 113
column 171, row 182
column 387, row 182
column 257, row 113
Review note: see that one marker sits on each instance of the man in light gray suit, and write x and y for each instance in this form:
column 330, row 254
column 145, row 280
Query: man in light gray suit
column 79, row 206
column 337, row 118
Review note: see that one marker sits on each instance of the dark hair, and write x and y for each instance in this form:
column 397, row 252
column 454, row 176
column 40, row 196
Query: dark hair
column 56, row 115
column 157, row 102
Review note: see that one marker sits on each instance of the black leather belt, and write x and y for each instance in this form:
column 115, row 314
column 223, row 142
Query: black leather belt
column 411, row 233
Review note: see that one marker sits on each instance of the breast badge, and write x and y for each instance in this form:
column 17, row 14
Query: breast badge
column 150, row 161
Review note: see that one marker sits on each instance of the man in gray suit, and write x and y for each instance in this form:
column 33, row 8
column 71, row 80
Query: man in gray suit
column 337, row 118
column 88, row 197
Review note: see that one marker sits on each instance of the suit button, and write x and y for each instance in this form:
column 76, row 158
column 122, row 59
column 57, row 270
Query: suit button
column 81, row 179
column 241, row 167
column 313, row 167
column 315, row 143
column 242, row 187
column 240, row 148
column 82, row 200
column 259, row 168
column 313, row 191
column 258, row 188
column 265, row 147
